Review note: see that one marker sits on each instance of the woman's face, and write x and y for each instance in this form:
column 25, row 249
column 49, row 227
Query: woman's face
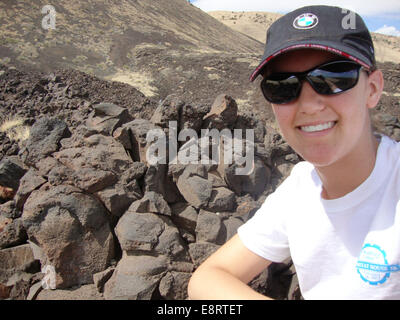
column 323, row 129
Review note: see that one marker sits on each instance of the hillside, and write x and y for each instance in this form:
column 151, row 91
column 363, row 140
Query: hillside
column 160, row 47
column 100, row 36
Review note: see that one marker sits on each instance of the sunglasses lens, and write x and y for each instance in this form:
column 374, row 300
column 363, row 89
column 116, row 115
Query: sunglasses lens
column 280, row 90
column 334, row 78
column 328, row 79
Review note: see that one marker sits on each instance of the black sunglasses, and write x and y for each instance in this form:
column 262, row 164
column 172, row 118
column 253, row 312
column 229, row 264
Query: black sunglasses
column 327, row 79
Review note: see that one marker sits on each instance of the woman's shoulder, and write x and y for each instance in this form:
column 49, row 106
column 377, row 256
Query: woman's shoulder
column 390, row 148
column 302, row 170
column 301, row 175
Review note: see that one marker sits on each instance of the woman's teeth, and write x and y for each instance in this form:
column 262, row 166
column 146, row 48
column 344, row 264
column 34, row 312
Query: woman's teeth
column 318, row 127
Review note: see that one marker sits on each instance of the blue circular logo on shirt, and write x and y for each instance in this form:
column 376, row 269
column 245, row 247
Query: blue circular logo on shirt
column 372, row 265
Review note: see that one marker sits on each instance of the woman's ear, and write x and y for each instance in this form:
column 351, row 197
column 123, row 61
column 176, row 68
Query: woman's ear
column 375, row 88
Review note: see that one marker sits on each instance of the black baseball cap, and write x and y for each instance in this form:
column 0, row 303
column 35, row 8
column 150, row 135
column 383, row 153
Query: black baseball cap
column 328, row 28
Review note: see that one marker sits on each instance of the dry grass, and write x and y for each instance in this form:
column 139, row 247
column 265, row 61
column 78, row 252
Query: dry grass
column 11, row 123
column 139, row 80
column 14, row 129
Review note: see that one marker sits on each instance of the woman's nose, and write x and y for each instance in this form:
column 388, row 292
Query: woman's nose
column 309, row 101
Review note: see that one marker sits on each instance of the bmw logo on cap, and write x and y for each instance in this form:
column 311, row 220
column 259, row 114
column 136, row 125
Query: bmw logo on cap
column 305, row 21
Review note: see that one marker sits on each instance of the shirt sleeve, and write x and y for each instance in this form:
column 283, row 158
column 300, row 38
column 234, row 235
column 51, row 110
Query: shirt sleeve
column 265, row 233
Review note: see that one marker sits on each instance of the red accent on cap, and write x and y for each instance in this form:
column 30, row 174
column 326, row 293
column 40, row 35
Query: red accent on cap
column 307, row 45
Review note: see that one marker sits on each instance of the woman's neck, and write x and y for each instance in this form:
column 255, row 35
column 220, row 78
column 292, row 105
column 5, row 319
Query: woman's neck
column 347, row 174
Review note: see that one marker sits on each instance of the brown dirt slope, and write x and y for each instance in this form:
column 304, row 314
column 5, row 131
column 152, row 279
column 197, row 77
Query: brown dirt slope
column 100, row 36
column 158, row 47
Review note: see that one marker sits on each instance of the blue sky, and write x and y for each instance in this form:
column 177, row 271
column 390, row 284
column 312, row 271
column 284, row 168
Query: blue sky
column 380, row 16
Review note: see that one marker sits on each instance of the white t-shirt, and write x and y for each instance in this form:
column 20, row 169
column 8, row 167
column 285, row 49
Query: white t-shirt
column 346, row 248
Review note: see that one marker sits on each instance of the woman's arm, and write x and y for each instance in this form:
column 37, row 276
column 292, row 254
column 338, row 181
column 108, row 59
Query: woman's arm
column 225, row 274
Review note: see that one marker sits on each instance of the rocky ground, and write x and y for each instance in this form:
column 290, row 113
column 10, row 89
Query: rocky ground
column 79, row 193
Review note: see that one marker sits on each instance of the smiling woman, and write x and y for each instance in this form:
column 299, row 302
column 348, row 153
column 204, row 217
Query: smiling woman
column 325, row 130
column 337, row 214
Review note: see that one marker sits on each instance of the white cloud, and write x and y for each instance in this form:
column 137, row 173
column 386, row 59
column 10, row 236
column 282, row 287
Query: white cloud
column 389, row 30
column 363, row 7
